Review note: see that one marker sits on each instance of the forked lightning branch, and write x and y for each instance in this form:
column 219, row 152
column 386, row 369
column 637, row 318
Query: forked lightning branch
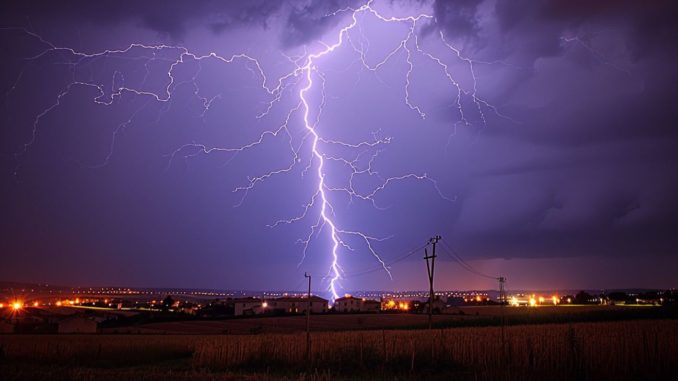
column 304, row 79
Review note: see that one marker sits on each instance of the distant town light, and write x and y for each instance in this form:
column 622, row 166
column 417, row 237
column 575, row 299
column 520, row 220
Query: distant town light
column 58, row 303
column 35, row 304
column 2, row 305
column 533, row 302
column 554, row 299
column 264, row 304
column 17, row 305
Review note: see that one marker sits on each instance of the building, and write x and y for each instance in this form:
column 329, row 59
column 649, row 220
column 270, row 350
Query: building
column 455, row 301
column 78, row 324
column 371, row 305
column 438, row 306
column 351, row 304
column 248, row 306
column 397, row 305
column 298, row 304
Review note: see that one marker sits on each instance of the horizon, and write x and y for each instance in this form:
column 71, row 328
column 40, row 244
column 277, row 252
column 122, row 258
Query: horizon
column 245, row 144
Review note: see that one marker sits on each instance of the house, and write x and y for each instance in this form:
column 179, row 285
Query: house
column 352, row 304
column 78, row 324
column 455, row 301
column 438, row 306
column 248, row 306
column 371, row 306
column 298, row 304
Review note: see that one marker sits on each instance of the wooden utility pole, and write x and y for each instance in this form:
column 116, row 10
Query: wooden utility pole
column 430, row 267
column 308, row 318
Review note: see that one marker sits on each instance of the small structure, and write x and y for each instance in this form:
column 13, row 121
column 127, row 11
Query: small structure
column 248, row 306
column 438, row 306
column 352, row 304
column 78, row 324
column 299, row 304
column 371, row 305
column 455, row 301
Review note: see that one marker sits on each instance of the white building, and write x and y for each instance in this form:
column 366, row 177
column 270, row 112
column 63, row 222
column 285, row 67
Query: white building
column 298, row 304
column 248, row 306
column 351, row 304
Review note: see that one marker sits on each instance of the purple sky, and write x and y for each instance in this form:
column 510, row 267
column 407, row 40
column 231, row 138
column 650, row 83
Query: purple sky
column 537, row 138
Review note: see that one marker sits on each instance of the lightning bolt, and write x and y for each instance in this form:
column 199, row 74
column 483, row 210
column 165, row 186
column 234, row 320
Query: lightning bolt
column 305, row 76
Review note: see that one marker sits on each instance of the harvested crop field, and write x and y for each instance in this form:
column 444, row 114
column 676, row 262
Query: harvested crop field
column 608, row 350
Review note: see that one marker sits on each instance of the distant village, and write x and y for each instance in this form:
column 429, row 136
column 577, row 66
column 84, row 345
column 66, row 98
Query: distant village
column 97, row 311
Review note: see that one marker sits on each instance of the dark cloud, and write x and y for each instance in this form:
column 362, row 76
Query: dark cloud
column 584, row 167
column 171, row 18
column 304, row 20
column 308, row 20
column 459, row 17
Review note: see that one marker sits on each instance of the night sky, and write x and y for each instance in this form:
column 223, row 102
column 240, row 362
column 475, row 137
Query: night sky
column 537, row 137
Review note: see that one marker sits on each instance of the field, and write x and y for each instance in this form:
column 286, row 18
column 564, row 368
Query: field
column 633, row 350
column 464, row 316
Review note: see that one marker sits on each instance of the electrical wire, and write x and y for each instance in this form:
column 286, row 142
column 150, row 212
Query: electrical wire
column 456, row 257
column 381, row 268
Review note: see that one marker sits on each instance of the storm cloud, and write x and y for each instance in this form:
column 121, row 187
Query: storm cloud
column 574, row 154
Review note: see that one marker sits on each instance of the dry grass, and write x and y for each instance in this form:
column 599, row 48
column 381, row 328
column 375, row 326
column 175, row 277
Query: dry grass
column 611, row 350
column 618, row 348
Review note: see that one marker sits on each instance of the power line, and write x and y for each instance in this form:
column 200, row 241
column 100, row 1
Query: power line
column 456, row 257
column 381, row 268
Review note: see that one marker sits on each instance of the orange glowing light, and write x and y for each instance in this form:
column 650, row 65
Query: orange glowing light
column 2, row 305
column 58, row 303
column 533, row 302
column 264, row 304
column 77, row 301
column 16, row 306
column 554, row 299
column 35, row 304
column 478, row 298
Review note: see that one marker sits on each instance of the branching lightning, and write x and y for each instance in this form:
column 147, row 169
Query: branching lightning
column 298, row 83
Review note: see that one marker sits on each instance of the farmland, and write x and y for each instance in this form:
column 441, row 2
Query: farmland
column 642, row 349
column 464, row 316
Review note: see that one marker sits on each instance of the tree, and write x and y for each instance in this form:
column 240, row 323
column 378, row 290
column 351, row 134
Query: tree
column 582, row 297
column 167, row 302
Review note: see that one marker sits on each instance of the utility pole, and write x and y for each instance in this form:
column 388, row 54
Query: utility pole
column 308, row 319
column 502, row 291
column 430, row 267
column 502, row 300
